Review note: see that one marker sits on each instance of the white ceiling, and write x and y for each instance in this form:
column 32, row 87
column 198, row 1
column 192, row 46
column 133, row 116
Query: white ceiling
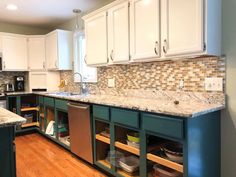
column 45, row 13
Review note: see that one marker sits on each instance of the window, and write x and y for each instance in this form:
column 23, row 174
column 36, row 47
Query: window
column 89, row 74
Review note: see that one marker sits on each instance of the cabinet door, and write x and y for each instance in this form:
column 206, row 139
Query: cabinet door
column 14, row 51
column 96, row 39
column 37, row 80
column 51, row 51
column 144, row 29
column 36, row 51
column 182, row 23
column 118, row 33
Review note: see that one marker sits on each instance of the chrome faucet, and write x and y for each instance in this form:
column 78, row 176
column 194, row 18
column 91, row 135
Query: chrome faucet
column 83, row 88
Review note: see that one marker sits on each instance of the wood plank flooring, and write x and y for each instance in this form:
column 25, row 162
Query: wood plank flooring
column 38, row 157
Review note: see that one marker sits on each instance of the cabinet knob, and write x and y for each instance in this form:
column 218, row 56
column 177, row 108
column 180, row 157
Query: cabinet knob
column 164, row 46
column 156, row 47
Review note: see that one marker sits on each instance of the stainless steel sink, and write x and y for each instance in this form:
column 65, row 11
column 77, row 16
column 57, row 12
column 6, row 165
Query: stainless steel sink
column 65, row 94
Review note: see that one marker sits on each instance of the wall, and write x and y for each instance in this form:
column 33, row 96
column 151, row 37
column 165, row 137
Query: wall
column 22, row 29
column 228, row 122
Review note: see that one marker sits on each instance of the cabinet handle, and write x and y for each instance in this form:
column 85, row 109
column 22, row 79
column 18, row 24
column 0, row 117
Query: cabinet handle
column 111, row 55
column 85, row 59
column 77, row 106
column 156, row 47
column 4, row 65
column 56, row 64
column 164, row 46
column 44, row 65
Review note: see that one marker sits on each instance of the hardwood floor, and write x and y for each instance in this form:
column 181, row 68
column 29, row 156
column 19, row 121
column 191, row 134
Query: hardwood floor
column 38, row 157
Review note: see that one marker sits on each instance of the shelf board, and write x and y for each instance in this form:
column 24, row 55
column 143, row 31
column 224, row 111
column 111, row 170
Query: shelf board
column 29, row 109
column 165, row 162
column 30, row 124
column 127, row 148
column 122, row 173
column 103, row 139
column 104, row 163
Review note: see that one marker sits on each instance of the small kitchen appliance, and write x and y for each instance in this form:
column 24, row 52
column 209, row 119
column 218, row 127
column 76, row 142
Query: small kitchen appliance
column 19, row 83
column 9, row 87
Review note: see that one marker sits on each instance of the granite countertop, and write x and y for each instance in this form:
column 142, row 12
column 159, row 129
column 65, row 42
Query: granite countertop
column 8, row 118
column 190, row 105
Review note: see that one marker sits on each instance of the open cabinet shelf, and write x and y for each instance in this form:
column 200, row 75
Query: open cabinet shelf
column 102, row 139
column 29, row 109
column 104, row 163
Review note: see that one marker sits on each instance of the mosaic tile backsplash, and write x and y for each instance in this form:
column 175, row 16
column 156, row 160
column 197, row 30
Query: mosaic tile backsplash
column 163, row 75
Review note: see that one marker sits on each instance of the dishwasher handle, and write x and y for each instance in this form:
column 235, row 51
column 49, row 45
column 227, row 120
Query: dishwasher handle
column 78, row 106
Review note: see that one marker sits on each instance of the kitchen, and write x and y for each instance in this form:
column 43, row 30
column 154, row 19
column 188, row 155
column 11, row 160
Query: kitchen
column 151, row 83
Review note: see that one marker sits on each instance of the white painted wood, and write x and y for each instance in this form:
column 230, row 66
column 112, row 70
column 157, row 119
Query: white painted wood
column 37, row 80
column 144, row 29
column 36, row 53
column 0, row 44
column 118, row 33
column 59, row 52
column 52, row 51
column 44, row 80
column 14, row 53
column 182, row 27
column 96, row 39
column 53, row 81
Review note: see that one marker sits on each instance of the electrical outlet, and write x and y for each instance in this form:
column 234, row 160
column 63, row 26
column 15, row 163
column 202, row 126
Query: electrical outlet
column 214, row 84
column 111, row 82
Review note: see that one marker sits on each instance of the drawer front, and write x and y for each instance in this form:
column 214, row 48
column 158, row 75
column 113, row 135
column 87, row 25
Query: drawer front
column 129, row 118
column 101, row 112
column 61, row 104
column 41, row 100
column 170, row 127
column 49, row 101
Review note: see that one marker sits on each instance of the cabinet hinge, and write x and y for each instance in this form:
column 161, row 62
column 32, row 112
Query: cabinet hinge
column 204, row 46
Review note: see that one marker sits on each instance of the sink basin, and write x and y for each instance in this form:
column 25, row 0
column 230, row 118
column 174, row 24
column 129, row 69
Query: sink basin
column 64, row 94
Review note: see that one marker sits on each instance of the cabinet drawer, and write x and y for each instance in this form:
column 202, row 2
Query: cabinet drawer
column 49, row 101
column 129, row 118
column 61, row 104
column 163, row 125
column 101, row 112
column 41, row 100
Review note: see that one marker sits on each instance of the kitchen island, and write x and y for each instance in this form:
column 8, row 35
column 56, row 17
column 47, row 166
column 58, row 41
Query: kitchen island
column 8, row 120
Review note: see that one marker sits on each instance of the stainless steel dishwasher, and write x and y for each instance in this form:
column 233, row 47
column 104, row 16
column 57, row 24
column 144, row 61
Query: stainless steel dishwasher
column 80, row 131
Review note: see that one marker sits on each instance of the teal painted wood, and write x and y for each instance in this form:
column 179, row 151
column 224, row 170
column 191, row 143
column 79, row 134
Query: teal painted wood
column 41, row 99
column 49, row 101
column 112, row 145
column 56, row 123
column 101, row 112
column 203, row 146
column 61, row 104
column 143, row 154
column 7, row 152
column 18, row 105
column 171, row 127
column 125, row 117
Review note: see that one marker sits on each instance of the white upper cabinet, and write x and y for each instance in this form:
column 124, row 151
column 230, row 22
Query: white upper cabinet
column 59, row 52
column 182, row 27
column 144, row 29
column 14, row 53
column 118, row 33
column 36, row 53
column 96, row 39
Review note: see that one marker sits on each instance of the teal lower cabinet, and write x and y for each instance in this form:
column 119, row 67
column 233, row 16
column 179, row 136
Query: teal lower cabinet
column 7, row 152
column 152, row 139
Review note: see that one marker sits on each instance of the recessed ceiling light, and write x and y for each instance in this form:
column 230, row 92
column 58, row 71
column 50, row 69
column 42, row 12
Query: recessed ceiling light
column 11, row 7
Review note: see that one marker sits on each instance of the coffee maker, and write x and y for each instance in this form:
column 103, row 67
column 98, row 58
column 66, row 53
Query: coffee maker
column 19, row 83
